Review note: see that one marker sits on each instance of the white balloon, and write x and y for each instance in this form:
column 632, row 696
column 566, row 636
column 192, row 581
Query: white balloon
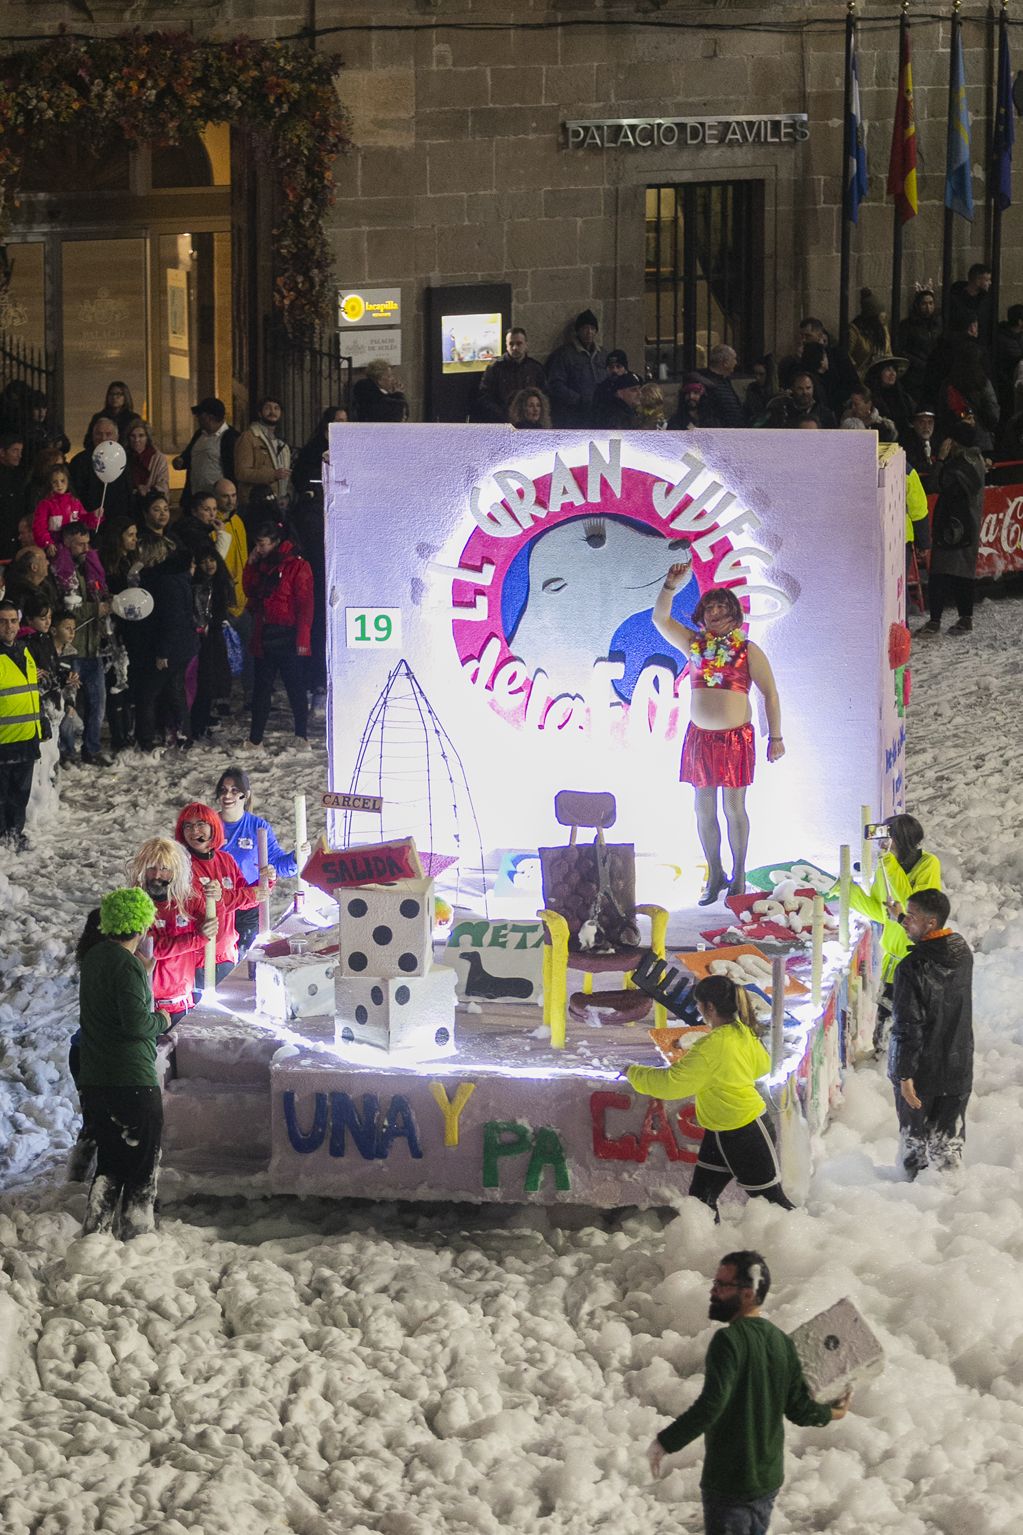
column 134, row 602
column 108, row 461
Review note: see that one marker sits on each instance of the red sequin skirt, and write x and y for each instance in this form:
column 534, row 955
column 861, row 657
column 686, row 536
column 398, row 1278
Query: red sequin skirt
column 719, row 759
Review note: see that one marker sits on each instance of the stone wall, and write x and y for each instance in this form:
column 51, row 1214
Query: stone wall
column 460, row 170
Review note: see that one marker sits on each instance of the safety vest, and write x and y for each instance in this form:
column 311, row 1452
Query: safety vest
column 19, row 700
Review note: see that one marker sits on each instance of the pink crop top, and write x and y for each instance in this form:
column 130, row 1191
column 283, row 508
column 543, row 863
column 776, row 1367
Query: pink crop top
column 713, row 664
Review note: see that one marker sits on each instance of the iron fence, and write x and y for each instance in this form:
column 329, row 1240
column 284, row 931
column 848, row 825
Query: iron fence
column 305, row 375
column 25, row 373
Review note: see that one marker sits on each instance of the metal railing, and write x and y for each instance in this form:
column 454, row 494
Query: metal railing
column 305, row 375
column 24, row 371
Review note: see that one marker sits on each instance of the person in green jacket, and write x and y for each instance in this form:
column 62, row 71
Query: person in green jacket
column 752, row 1381
column 720, row 1072
column 902, row 868
column 117, row 1082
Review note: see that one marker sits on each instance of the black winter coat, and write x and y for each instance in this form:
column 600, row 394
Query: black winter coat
column 932, row 1012
column 169, row 631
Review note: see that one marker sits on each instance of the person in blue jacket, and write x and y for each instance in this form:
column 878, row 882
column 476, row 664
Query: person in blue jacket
column 234, row 796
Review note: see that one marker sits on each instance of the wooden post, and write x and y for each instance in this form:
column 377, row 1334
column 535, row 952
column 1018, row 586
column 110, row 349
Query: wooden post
column 844, row 884
column 777, row 1012
column 866, row 849
column 817, row 970
column 265, row 922
column 301, row 848
column 210, row 960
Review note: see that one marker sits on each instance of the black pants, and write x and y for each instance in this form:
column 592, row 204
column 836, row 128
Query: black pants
column 748, row 1156
column 15, row 788
column 293, row 670
column 120, row 715
column 945, row 591
column 127, row 1123
column 934, row 1134
column 160, row 697
column 246, row 925
column 223, row 970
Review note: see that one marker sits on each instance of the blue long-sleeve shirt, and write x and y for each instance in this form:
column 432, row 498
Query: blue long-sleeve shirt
column 241, row 844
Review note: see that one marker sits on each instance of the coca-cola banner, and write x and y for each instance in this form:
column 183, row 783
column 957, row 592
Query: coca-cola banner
column 1001, row 529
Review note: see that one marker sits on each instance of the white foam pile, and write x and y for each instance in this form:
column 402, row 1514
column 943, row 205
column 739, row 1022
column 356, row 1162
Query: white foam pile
column 272, row 1366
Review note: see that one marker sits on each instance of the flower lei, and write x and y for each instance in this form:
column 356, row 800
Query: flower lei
column 158, row 87
column 712, row 653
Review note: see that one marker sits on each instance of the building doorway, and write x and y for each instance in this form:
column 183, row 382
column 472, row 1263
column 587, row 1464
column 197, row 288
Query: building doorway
column 704, row 274
column 122, row 269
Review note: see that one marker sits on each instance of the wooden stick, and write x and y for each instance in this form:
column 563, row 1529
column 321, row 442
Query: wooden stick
column 844, row 884
column 302, row 849
column 301, row 835
column 262, row 856
column 817, row 972
column 210, row 960
column 777, row 1012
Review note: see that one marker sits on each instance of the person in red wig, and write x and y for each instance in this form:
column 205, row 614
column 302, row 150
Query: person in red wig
column 214, row 872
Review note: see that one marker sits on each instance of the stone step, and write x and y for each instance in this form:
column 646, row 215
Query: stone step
column 205, row 1123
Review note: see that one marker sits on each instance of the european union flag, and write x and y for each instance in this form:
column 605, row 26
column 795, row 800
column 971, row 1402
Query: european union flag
column 958, row 172
column 1005, row 126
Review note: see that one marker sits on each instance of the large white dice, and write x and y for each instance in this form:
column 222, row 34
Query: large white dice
column 416, row 1015
column 386, row 930
column 295, row 986
column 837, row 1351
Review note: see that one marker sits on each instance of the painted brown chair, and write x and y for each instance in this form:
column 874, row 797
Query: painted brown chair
column 590, row 913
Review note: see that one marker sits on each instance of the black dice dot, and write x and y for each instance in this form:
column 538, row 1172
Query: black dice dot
column 357, row 961
column 361, row 1014
column 357, row 908
column 348, row 1035
column 409, row 909
column 407, row 963
column 441, row 1037
column 382, row 936
column 402, row 995
column 377, row 996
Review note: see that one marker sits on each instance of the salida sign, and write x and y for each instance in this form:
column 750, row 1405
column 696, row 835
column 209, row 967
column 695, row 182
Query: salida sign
column 553, row 590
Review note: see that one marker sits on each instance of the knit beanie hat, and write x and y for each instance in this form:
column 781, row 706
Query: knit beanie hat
column 587, row 318
column 870, row 305
column 124, row 912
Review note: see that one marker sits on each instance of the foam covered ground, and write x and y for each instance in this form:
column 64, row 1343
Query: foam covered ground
column 313, row 1367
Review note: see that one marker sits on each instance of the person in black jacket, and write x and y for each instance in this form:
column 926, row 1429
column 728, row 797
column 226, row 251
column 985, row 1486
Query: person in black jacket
column 617, row 410
column 930, row 1060
column 170, row 642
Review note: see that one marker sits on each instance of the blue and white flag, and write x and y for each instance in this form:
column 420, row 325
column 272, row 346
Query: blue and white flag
column 958, row 170
column 857, row 183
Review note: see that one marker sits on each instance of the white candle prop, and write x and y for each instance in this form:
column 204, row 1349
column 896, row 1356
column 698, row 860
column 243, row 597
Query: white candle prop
column 817, row 971
column 777, row 1013
column 301, row 836
column 210, row 960
column 262, row 856
column 844, row 886
column 866, row 849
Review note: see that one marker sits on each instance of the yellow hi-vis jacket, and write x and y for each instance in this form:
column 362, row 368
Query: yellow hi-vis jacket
column 20, row 716
column 719, row 1072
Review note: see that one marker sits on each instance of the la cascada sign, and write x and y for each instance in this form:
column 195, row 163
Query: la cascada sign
column 552, row 592
column 666, row 132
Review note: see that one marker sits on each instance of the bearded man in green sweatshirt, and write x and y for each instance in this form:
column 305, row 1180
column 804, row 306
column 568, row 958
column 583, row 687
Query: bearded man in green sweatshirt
column 752, row 1381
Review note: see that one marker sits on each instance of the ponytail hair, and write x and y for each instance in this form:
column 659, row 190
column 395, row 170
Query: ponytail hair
column 728, row 1000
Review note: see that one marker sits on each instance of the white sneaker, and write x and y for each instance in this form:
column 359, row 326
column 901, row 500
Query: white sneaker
column 318, row 702
column 300, row 744
column 256, row 749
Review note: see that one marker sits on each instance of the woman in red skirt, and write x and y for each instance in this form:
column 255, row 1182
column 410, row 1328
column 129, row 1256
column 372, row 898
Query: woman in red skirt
column 719, row 751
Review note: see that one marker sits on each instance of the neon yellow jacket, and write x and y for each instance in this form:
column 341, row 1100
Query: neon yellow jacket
column 916, row 503
column 719, row 1072
column 924, row 875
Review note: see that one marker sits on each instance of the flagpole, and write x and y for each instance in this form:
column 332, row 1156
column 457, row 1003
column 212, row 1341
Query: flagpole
column 896, row 304
column 843, row 277
column 996, row 221
column 953, row 115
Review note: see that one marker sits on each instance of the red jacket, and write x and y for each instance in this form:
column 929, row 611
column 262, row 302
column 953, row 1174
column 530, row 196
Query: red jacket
column 279, row 590
column 177, row 948
column 237, row 895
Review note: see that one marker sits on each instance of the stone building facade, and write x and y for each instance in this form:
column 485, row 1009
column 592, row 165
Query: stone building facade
column 461, row 171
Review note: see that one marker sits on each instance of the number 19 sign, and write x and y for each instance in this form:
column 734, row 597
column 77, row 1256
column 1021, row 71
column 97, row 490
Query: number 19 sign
column 373, row 628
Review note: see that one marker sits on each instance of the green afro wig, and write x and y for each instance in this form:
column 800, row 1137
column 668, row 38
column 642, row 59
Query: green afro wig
column 124, row 912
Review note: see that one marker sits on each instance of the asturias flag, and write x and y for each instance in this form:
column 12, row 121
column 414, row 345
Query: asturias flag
column 1005, row 127
column 958, row 174
column 855, row 145
column 902, row 165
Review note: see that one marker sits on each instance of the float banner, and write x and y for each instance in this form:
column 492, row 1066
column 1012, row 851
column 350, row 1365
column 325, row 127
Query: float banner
column 525, row 567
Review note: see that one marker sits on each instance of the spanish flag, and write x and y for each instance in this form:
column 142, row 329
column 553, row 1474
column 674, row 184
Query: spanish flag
column 902, row 165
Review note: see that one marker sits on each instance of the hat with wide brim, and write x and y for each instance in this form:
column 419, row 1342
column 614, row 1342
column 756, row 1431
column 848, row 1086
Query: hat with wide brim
column 900, row 364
